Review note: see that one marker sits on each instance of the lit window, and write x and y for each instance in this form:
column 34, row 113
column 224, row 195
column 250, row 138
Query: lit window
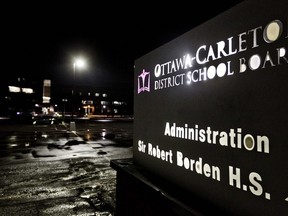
column 14, row 89
column 27, row 90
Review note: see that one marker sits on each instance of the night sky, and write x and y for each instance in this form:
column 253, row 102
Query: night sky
column 40, row 40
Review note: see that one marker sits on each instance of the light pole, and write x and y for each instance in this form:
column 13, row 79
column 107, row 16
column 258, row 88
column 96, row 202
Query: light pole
column 78, row 62
column 64, row 100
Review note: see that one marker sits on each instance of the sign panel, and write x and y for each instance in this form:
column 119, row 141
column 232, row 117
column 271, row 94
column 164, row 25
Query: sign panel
column 210, row 110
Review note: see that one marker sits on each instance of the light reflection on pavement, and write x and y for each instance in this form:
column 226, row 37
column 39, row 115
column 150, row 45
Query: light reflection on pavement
column 49, row 170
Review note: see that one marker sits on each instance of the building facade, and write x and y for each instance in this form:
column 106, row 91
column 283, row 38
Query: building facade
column 19, row 96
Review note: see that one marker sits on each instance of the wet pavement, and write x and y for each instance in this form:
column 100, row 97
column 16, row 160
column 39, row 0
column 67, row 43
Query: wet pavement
column 51, row 170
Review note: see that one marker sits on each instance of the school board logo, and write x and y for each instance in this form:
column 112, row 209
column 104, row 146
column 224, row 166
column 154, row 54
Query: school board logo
column 144, row 81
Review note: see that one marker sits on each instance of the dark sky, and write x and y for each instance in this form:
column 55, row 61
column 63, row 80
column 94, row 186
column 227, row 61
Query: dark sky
column 40, row 40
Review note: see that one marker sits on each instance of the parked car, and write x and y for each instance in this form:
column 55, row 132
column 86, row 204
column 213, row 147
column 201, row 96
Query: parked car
column 45, row 120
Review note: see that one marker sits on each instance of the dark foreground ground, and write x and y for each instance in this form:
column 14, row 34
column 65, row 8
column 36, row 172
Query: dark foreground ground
column 50, row 170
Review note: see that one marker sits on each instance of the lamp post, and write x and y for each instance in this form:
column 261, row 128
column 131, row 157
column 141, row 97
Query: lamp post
column 78, row 62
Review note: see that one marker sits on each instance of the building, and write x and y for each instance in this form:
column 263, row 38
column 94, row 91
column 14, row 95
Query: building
column 21, row 96
column 87, row 101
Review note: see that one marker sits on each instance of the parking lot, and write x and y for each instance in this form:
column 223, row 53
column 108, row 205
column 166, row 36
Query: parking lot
column 48, row 169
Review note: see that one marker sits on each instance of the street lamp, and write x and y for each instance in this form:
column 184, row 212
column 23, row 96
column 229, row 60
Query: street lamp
column 80, row 63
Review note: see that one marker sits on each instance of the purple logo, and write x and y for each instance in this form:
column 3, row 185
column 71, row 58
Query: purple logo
column 144, row 81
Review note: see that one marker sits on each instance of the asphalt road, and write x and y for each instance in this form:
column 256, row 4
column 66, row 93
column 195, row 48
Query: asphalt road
column 51, row 170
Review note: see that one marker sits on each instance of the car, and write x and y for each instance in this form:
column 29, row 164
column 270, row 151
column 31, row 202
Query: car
column 45, row 120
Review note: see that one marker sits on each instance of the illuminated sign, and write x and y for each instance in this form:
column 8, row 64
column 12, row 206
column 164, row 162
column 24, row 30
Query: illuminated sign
column 210, row 111
column 187, row 68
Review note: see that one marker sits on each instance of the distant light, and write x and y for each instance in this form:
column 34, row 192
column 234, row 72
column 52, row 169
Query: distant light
column 104, row 120
column 27, row 90
column 47, row 82
column 14, row 89
column 79, row 63
column 46, row 99
column 13, row 145
column 117, row 102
